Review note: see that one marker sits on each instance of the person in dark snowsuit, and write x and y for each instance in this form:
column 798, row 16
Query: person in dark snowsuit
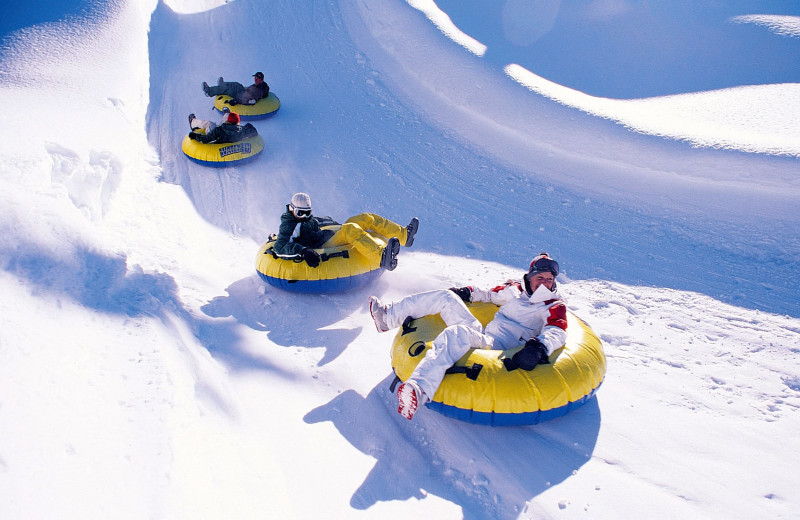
column 300, row 233
column 227, row 132
column 241, row 95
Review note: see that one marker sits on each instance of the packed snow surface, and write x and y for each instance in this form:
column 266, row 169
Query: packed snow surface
column 653, row 148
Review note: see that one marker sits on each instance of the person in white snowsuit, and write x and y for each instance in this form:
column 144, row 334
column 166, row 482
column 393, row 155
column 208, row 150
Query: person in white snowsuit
column 531, row 312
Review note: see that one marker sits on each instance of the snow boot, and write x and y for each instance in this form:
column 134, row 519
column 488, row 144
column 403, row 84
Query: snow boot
column 377, row 310
column 411, row 230
column 409, row 399
column 389, row 255
column 191, row 118
column 206, row 89
column 220, row 81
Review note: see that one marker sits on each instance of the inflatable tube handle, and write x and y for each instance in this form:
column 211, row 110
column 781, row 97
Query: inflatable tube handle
column 326, row 256
column 472, row 372
column 407, row 328
column 294, row 258
column 396, row 380
column 297, row 258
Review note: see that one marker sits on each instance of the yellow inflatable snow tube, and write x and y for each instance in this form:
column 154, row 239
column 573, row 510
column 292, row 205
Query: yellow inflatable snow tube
column 262, row 109
column 342, row 268
column 479, row 389
column 221, row 155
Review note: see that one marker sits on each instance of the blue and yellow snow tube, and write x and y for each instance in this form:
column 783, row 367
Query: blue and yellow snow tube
column 262, row 109
column 342, row 268
column 480, row 390
column 221, row 155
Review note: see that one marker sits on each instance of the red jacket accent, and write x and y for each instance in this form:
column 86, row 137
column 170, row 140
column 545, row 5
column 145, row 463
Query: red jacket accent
column 558, row 315
column 501, row 287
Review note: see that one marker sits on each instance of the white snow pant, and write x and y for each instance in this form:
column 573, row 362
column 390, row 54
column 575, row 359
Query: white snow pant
column 448, row 347
column 463, row 332
column 208, row 126
column 443, row 302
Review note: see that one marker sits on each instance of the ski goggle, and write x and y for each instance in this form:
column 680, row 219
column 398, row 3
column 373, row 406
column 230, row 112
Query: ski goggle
column 301, row 212
column 544, row 265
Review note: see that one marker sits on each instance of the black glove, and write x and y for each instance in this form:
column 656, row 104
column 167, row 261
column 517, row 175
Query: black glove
column 193, row 135
column 311, row 257
column 232, row 102
column 465, row 293
column 532, row 354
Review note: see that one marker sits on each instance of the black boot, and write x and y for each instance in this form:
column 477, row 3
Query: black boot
column 389, row 255
column 411, row 230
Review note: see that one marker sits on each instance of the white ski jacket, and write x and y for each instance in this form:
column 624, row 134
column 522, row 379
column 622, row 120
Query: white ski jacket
column 542, row 315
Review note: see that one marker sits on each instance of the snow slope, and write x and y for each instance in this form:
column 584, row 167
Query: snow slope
column 148, row 372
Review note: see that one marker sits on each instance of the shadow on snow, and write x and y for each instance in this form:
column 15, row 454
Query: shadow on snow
column 488, row 472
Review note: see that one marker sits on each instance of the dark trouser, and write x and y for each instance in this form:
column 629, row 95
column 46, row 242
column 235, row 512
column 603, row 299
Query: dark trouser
column 227, row 88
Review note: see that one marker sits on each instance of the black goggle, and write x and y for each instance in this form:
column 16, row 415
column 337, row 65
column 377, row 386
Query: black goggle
column 543, row 265
column 301, row 212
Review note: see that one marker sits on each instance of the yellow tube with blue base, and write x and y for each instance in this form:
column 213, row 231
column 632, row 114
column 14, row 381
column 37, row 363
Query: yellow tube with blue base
column 480, row 390
column 262, row 109
column 219, row 155
column 341, row 268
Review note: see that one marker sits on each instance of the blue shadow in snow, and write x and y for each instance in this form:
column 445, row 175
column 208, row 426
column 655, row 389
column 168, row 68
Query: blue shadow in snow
column 106, row 284
column 299, row 320
column 634, row 49
column 20, row 16
column 489, row 472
